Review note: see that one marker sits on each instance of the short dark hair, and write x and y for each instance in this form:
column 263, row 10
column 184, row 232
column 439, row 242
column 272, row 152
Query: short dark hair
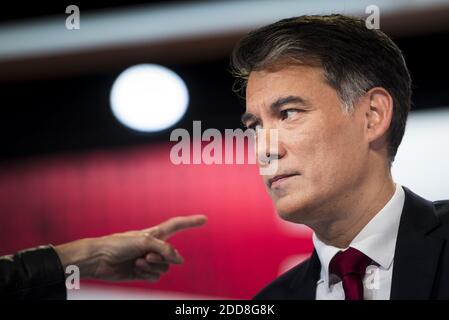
column 354, row 59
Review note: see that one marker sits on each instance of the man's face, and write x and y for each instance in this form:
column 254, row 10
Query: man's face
column 322, row 151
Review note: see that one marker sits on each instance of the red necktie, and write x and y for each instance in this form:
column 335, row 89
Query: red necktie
column 350, row 267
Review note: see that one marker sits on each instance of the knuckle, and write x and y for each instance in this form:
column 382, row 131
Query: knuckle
column 168, row 249
column 155, row 231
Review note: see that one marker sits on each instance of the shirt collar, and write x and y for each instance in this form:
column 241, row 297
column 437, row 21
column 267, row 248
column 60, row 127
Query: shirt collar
column 377, row 239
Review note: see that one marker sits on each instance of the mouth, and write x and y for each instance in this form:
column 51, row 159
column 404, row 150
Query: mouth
column 278, row 179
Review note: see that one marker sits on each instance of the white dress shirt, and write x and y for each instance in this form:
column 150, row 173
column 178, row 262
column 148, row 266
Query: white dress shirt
column 377, row 240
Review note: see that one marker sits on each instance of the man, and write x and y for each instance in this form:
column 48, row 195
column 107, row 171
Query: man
column 134, row 255
column 338, row 95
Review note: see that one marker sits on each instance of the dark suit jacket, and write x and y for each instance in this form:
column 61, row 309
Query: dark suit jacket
column 421, row 260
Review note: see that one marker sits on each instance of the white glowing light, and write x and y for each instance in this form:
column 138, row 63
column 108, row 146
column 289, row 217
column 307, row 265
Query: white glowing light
column 149, row 98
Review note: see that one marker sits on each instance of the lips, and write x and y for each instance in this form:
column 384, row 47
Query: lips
column 279, row 177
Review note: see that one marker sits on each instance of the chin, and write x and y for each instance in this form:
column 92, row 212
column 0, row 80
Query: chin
column 292, row 210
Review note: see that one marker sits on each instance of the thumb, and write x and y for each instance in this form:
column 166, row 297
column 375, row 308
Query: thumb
column 164, row 249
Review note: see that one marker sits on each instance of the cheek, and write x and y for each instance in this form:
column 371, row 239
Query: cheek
column 328, row 152
column 341, row 153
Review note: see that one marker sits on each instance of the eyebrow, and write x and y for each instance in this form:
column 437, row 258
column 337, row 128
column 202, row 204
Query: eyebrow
column 275, row 106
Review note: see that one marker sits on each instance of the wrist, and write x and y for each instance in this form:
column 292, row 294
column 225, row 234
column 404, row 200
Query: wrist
column 82, row 253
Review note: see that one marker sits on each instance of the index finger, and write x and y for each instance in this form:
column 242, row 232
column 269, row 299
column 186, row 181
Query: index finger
column 173, row 225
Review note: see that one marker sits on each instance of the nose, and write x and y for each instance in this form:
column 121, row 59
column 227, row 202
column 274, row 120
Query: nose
column 268, row 146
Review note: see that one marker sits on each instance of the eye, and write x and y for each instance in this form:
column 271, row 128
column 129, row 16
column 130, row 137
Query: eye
column 254, row 126
column 288, row 113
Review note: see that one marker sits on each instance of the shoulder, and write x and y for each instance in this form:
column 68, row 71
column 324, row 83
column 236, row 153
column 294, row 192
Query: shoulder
column 280, row 288
column 442, row 209
column 442, row 212
column 421, row 212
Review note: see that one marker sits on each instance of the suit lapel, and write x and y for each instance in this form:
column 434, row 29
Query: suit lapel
column 303, row 287
column 417, row 252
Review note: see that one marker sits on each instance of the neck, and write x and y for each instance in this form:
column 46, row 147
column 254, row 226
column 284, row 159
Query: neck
column 362, row 205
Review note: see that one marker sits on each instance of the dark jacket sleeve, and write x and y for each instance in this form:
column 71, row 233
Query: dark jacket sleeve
column 32, row 274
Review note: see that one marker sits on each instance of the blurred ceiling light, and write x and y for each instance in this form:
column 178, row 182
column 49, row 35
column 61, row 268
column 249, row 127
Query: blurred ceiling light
column 149, row 98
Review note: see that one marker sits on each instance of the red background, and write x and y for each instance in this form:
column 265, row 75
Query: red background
column 244, row 245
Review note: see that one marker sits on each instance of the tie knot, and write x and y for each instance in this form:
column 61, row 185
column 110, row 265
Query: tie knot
column 350, row 261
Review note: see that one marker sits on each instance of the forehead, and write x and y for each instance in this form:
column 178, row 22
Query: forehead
column 267, row 85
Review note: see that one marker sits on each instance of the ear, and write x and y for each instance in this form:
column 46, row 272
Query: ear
column 378, row 115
